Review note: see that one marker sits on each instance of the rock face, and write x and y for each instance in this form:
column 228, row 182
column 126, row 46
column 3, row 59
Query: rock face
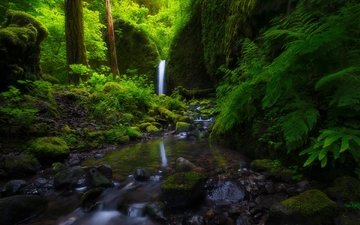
column 312, row 207
column 20, row 40
column 186, row 65
column 135, row 51
column 17, row 208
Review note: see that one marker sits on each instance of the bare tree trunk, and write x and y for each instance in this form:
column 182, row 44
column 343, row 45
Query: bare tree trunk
column 74, row 31
column 111, row 37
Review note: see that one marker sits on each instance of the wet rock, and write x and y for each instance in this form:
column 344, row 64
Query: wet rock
column 89, row 198
column 345, row 189
column 69, row 178
column 155, row 210
column 194, row 220
column 349, row 218
column 20, row 165
column 97, row 179
column 243, row 220
column 57, row 167
column 273, row 168
column 184, row 165
column 302, row 186
column 225, row 191
column 14, row 187
column 106, row 171
column 312, row 207
column 182, row 190
column 19, row 207
column 141, row 174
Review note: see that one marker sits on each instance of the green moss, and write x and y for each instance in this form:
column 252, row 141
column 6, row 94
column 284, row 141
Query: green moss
column 117, row 136
column 169, row 115
column 134, row 133
column 141, row 55
column 152, row 129
column 18, row 36
column 274, row 167
column 181, row 181
column 312, row 203
column 49, row 148
column 23, row 19
column 182, row 127
column 346, row 189
column 186, row 66
column 20, row 165
column 143, row 126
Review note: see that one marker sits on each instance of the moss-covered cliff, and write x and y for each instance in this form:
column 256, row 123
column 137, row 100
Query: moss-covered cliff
column 20, row 39
column 186, row 66
column 135, row 51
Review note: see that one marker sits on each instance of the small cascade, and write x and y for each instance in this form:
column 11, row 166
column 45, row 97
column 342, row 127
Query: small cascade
column 164, row 161
column 136, row 210
column 161, row 77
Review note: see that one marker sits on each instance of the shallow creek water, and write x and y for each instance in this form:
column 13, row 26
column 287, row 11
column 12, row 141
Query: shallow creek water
column 124, row 204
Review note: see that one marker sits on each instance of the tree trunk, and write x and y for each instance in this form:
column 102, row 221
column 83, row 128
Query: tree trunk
column 111, row 37
column 74, row 31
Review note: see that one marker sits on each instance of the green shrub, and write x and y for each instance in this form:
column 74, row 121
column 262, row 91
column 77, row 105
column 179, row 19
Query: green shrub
column 49, row 148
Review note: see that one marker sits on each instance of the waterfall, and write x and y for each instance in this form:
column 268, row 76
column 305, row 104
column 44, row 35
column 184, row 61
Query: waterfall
column 161, row 78
column 164, row 161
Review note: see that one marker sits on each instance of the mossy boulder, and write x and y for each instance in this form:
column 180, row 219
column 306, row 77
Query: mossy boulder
column 135, row 51
column 134, row 133
column 49, row 149
column 152, row 129
column 68, row 177
column 169, row 115
column 20, row 39
column 186, row 66
column 20, row 207
column 182, row 127
column 312, row 207
column 345, row 189
column 20, row 165
column 182, row 190
column 273, row 167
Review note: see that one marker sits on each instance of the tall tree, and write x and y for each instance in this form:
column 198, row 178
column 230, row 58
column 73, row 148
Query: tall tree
column 111, row 37
column 74, row 31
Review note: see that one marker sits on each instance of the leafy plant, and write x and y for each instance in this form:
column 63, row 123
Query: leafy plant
column 333, row 142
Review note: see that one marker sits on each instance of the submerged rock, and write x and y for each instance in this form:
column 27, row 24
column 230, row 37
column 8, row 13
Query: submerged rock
column 184, row 165
column 141, row 174
column 19, row 207
column 312, row 207
column 155, row 210
column 182, row 190
column 96, row 179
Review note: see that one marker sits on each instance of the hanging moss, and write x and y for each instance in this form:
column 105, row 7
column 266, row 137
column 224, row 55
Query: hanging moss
column 135, row 51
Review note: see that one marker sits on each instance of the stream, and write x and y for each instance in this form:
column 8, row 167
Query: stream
column 127, row 201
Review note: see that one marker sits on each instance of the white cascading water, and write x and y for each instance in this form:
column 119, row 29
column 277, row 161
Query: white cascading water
column 161, row 77
column 164, row 161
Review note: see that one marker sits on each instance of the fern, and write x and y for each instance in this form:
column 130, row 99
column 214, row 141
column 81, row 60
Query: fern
column 334, row 142
column 297, row 125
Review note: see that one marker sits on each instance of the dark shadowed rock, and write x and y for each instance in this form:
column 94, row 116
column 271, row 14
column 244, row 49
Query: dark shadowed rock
column 19, row 207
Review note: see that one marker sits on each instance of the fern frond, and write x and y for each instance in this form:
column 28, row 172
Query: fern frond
column 332, row 79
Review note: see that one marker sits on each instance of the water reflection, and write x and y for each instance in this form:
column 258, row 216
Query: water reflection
column 164, row 161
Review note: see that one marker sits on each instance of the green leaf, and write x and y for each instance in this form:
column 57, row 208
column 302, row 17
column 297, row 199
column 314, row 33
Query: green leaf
column 330, row 140
column 323, row 162
column 323, row 153
column 344, row 144
column 311, row 159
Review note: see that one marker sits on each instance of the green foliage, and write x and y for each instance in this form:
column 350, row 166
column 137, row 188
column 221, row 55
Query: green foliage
column 334, row 142
column 301, row 76
column 353, row 205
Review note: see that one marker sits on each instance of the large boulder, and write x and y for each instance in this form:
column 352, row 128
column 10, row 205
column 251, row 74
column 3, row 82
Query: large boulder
column 182, row 190
column 19, row 207
column 49, row 149
column 20, row 40
column 135, row 51
column 312, row 207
